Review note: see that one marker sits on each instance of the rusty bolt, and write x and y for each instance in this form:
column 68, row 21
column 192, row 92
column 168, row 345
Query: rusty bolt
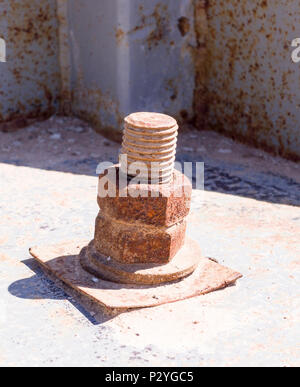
column 149, row 146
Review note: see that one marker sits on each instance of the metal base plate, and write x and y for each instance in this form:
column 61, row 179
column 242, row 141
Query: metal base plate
column 183, row 264
column 62, row 261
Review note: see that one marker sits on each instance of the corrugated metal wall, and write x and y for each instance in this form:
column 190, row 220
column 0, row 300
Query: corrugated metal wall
column 253, row 85
column 226, row 62
column 30, row 78
column 131, row 55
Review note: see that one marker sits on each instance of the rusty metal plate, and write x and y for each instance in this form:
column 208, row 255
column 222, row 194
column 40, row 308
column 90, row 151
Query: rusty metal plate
column 62, row 261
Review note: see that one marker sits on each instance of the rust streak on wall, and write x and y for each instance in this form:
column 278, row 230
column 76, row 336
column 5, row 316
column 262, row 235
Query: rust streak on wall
column 200, row 61
column 64, row 57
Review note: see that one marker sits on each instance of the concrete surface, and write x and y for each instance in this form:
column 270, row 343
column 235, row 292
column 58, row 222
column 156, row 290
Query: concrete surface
column 249, row 221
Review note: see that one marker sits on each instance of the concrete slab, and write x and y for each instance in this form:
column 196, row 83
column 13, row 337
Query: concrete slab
column 248, row 219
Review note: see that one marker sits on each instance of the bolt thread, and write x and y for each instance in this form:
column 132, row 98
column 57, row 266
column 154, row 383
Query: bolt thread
column 149, row 142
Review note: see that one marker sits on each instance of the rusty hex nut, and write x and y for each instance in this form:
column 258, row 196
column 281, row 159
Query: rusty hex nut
column 152, row 204
column 136, row 243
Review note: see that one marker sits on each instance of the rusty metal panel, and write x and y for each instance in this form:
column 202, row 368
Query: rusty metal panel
column 130, row 55
column 253, row 85
column 30, row 78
